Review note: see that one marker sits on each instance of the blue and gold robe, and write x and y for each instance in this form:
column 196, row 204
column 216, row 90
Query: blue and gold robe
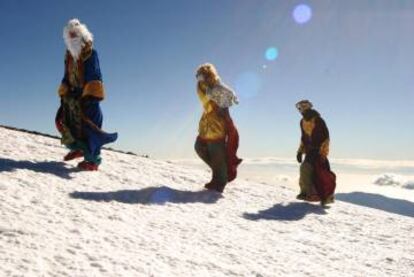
column 79, row 118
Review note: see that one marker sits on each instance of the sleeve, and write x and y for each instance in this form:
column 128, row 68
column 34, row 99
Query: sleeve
column 301, row 148
column 93, row 78
column 324, row 130
column 64, row 85
column 324, row 139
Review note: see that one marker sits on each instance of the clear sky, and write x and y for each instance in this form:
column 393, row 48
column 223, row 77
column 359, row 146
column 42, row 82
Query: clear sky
column 353, row 59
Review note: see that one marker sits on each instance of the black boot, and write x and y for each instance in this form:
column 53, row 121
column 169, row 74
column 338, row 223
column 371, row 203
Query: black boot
column 301, row 196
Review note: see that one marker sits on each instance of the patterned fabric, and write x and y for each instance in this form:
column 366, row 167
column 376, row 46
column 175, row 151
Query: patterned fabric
column 83, row 75
column 80, row 117
column 222, row 95
column 72, row 120
column 212, row 125
column 217, row 126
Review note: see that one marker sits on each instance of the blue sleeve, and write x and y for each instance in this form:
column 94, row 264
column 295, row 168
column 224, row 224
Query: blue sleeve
column 92, row 68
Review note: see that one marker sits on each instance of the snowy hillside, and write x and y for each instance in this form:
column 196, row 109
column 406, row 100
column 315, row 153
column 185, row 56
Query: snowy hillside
column 143, row 217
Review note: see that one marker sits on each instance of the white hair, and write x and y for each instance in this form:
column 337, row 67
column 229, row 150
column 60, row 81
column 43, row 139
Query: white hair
column 76, row 44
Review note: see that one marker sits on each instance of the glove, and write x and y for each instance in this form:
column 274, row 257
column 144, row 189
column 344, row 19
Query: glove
column 299, row 157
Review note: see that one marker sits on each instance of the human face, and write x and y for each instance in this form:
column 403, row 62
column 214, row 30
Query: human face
column 302, row 108
column 73, row 34
column 200, row 77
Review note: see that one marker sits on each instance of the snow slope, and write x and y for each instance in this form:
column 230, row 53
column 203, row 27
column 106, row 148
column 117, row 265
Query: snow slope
column 143, row 217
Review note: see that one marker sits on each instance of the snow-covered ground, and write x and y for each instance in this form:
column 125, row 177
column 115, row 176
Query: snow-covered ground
column 144, row 217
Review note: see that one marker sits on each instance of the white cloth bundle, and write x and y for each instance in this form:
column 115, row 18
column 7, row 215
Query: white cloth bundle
column 222, row 95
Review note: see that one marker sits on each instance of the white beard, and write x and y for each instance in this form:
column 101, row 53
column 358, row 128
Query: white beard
column 75, row 46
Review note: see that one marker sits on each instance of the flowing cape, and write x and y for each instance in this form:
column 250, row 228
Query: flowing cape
column 325, row 179
column 232, row 145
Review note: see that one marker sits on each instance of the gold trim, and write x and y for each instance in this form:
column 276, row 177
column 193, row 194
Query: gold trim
column 95, row 89
column 63, row 90
column 324, row 150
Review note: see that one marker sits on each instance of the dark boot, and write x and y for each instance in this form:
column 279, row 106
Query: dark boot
column 301, row 196
column 329, row 200
column 74, row 154
column 88, row 166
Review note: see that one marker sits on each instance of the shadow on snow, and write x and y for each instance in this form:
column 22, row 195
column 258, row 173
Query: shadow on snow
column 380, row 202
column 290, row 212
column 51, row 167
column 151, row 195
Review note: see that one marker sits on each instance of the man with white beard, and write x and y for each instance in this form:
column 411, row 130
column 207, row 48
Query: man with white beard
column 79, row 118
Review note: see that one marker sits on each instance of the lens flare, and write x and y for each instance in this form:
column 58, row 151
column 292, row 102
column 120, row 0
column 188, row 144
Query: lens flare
column 271, row 54
column 302, row 14
column 248, row 85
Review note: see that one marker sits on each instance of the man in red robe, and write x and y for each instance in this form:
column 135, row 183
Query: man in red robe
column 317, row 182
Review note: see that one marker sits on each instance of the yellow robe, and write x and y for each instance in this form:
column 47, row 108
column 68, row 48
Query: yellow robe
column 212, row 125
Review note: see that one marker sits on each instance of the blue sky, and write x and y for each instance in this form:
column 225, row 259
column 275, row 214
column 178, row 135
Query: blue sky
column 353, row 59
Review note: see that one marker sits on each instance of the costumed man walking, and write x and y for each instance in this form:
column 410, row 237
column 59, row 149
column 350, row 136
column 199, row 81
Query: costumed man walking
column 317, row 182
column 218, row 138
column 79, row 118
